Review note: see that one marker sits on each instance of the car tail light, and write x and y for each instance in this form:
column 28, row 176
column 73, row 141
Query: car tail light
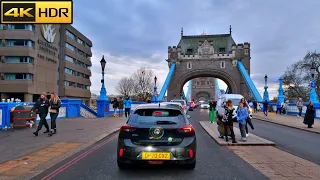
column 190, row 153
column 187, row 129
column 184, row 107
column 121, row 152
column 127, row 128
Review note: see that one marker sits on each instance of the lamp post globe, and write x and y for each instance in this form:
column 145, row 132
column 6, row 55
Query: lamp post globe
column 265, row 79
column 155, row 79
column 313, row 69
column 103, row 63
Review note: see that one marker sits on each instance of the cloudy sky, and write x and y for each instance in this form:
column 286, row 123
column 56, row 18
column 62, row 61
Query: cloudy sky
column 135, row 33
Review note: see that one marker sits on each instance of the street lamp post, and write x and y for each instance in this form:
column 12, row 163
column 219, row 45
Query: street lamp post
column 265, row 93
column 313, row 94
column 103, row 92
column 155, row 96
column 103, row 102
column 280, row 91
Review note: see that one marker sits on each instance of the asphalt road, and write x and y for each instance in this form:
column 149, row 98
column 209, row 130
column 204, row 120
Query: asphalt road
column 298, row 142
column 213, row 162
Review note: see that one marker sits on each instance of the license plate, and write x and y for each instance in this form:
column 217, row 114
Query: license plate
column 155, row 156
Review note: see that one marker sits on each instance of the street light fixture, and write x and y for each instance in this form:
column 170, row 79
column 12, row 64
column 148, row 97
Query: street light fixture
column 265, row 80
column 103, row 92
column 155, row 80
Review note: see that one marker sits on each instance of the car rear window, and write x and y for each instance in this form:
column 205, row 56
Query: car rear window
column 181, row 102
column 153, row 116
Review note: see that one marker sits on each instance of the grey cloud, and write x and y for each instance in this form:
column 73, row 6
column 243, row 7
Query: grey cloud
column 280, row 32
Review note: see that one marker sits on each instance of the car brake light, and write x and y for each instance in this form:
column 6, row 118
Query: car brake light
column 121, row 152
column 190, row 153
column 187, row 129
column 127, row 128
column 157, row 113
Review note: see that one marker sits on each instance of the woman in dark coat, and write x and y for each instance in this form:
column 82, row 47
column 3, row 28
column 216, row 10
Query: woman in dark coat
column 309, row 116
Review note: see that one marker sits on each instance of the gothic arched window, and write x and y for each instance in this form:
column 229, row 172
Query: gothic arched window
column 189, row 65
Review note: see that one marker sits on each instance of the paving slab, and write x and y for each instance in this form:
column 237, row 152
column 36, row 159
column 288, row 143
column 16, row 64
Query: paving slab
column 27, row 155
column 252, row 140
column 277, row 164
column 287, row 120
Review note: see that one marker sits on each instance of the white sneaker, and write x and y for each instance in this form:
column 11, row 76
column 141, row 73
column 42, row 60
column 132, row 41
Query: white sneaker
column 243, row 139
column 298, row 116
column 247, row 135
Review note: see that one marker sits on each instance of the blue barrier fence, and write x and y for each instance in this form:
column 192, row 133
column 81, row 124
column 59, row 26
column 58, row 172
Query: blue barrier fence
column 70, row 108
column 293, row 110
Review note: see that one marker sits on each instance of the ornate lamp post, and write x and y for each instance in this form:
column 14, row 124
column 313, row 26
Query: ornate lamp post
column 313, row 94
column 155, row 94
column 280, row 91
column 265, row 93
column 103, row 92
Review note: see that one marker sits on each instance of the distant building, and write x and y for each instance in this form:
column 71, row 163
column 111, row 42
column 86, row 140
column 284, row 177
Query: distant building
column 44, row 58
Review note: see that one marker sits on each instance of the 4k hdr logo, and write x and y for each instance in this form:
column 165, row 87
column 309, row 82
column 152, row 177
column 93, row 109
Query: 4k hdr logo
column 48, row 32
column 44, row 12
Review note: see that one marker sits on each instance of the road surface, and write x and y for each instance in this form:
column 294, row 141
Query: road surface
column 213, row 162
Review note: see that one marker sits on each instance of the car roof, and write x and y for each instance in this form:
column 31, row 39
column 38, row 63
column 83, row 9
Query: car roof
column 171, row 103
column 178, row 100
column 157, row 106
column 234, row 96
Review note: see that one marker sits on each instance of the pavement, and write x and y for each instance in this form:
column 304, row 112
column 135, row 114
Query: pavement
column 252, row 140
column 23, row 155
column 288, row 120
column 277, row 164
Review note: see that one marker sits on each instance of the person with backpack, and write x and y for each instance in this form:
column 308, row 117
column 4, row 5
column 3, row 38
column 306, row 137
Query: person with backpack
column 121, row 106
column 115, row 103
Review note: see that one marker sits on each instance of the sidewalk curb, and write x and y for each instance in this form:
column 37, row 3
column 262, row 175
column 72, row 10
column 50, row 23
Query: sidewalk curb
column 272, row 122
column 57, row 160
column 269, row 143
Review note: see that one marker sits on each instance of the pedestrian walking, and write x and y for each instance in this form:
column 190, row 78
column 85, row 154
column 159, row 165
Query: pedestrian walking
column 309, row 116
column 42, row 108
column 115, row 103
column 55, row 105
column 120, row 106
column 242, row 115
column 278, row 107
column 286, row 107
column 228, row 121
column 248, row 119
column 127, row 106
column 299, row 106
column 212, row 109
column 265, row 107
column 255, row 106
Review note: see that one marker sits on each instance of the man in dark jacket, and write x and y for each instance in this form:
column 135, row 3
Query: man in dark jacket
column 265, row 107
column 42, row 108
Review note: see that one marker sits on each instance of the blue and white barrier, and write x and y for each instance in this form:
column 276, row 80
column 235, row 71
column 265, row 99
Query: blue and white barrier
column 70, row 108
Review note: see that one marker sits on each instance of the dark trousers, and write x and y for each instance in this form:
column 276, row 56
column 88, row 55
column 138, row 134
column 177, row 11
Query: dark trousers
column 243, row 128
column 265, row 111
column 300, row 111
column 53, row 120
column 127, row 112
column 42, row 122
column 230, row 126
column 248, row 121
column 278, row 109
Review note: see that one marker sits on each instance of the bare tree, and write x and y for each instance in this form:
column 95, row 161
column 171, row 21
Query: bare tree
column 297, row 77
column 143, row 82
column 125, row 86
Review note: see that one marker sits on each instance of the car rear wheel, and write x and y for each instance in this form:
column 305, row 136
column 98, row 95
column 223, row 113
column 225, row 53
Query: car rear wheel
column 122, row 165
column 190, row 166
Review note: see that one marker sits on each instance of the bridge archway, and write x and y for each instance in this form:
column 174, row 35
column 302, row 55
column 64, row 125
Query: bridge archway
column 178, row 81
column 202, row 95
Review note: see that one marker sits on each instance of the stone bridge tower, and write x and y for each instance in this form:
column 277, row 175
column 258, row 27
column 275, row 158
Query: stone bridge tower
column 208, row 56
column 203, row 88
